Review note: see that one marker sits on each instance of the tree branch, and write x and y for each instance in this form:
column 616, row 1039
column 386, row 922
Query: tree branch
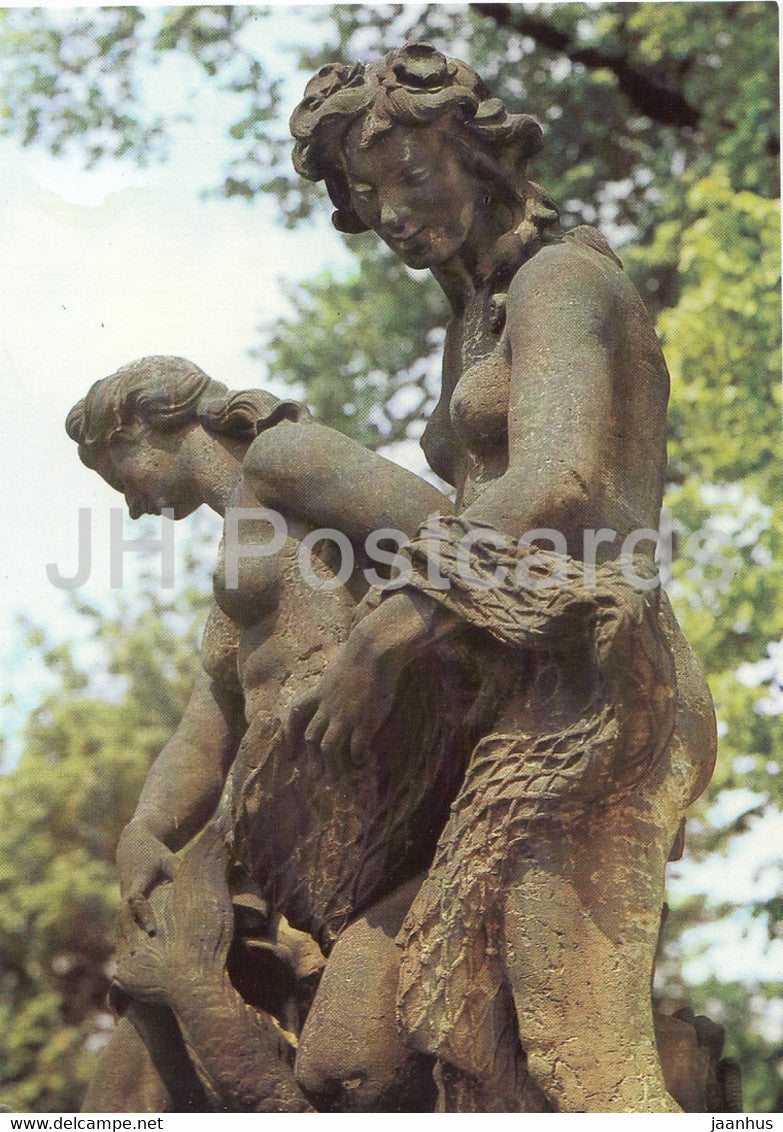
column 651, row 95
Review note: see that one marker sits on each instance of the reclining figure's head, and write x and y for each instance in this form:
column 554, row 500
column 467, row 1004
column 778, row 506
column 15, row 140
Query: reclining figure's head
column 148, row 430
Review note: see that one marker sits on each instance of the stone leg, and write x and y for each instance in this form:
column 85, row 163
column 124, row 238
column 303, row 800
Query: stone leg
column 352, row 1057
column 580, row 928
column 130, row 1079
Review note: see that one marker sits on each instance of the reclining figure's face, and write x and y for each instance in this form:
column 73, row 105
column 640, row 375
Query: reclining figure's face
column 411, row 188
column 152, row 469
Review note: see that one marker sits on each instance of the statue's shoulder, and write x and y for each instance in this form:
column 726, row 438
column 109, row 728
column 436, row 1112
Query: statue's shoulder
column 585, row 236
column 578, row 269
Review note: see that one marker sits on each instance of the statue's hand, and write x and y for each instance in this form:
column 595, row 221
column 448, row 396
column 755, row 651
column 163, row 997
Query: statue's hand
column 194, row 927
column 353, row 699
column 144, row 862
column 141, row 959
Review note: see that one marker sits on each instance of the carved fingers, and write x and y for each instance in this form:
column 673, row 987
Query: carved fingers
column 343, row 714
column 144, row 863
column 193, row 927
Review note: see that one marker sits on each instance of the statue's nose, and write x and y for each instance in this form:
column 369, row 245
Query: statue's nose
column 392, row 218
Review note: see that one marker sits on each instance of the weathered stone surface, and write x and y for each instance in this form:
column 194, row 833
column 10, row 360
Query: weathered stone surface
column 421, row 833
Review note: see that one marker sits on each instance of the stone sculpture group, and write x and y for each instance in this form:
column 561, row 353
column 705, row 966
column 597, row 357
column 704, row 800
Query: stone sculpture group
column 406, row 849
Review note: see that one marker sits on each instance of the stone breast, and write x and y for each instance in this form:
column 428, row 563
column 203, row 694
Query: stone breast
column 479, row 403
column 247, row 584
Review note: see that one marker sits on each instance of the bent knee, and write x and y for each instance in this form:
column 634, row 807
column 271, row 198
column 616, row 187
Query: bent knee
column 388, row 1077
column 352, row 1056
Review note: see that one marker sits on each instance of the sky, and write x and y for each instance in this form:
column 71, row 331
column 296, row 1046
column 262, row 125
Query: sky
column 100, row 268
column 89, row 284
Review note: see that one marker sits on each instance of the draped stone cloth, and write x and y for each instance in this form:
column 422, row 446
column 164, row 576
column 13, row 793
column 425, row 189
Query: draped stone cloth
column 454, row 998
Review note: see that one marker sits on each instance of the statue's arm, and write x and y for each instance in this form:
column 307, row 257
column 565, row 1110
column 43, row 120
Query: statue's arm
column 184, row 783
column 325, row 479
column 242, row 1056
column 181, row 790
column 562, row 326
column 559, row 323
column 439, row 441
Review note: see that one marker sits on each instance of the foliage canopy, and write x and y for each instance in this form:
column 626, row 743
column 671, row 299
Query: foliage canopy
column 662, row 127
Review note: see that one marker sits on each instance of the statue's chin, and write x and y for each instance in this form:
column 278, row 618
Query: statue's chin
column 420, row 255
column 418, row 260
column 182, row 510
column 429, row 250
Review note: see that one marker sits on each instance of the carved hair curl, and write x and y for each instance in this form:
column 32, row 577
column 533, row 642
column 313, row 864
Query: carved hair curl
column 167, row 393
column 410, row 86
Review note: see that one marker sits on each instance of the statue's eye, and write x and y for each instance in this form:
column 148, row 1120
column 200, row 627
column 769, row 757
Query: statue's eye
column 416, row 176
column 123, row 439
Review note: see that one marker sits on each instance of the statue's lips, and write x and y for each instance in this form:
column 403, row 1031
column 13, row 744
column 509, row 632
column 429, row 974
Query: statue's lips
column 407, row 239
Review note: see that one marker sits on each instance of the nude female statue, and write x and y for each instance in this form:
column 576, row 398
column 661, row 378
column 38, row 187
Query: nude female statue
column 165, row 434
column 327, row 854
column 527, row 955
column 525, row 959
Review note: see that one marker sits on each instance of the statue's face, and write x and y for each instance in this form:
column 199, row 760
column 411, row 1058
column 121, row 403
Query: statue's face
column 151, row 469
column 410, row 187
